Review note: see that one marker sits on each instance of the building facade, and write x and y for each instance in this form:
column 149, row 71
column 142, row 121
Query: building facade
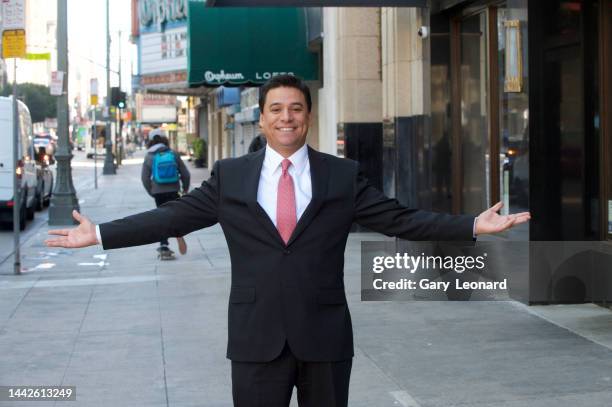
column 461, row 104
column 162, row 97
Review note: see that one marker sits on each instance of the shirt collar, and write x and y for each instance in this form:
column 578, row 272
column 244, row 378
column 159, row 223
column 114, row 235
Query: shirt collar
column 273, row 160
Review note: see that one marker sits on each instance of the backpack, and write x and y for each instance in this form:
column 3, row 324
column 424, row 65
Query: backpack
column 164, row 168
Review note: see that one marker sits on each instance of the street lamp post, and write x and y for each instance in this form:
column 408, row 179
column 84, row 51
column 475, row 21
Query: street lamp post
column 63, row 199
column 109, row 165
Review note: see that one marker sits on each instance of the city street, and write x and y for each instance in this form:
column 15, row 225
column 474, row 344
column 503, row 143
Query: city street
column 494, row 117
column 129, row 330
column 82, row 170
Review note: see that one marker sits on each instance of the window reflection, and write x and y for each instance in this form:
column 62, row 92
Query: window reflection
column 514, row 127
column 441, row 114
column 474, row 115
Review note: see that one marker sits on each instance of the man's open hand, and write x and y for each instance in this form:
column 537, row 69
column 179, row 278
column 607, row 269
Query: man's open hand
column 82, row 236
column 491, row 222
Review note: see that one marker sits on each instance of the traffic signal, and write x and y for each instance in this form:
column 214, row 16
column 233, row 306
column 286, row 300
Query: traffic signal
column 118, row 98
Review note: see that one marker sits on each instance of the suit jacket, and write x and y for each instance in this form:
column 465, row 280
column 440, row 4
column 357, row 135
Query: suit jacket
column 290, row 292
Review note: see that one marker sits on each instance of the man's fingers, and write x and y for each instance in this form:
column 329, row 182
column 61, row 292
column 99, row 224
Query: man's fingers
column 77, row 216
column 58, row 242
column 522, row 219
column 508, row 223
column 59, row 232
column 497, row 206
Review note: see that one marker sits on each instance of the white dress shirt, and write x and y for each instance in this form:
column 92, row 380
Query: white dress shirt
column 271, row 171
column 267, row 189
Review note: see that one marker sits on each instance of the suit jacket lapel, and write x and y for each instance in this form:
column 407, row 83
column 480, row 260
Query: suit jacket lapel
column 319, row 172
column 251, row 183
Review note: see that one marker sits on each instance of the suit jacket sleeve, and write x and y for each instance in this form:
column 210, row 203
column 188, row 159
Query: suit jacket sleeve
column 193, row 211
column 381, row 214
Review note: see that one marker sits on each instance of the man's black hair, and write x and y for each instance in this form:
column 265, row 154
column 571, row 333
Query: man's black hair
column 284, row 81
column 157, row 139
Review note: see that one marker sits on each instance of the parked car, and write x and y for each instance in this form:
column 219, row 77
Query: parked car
column 26, row 163
column 44, row 140
column 44, row 144
column 44, row 176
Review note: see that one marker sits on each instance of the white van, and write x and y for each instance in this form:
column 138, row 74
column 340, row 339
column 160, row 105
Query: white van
column 26, row 164
column 89, row 140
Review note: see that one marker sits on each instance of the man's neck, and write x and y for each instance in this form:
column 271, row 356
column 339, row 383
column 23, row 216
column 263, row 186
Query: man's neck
column 286, row 153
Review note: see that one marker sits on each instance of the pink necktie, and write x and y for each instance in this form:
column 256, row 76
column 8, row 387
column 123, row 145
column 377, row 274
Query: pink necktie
column 286, row 217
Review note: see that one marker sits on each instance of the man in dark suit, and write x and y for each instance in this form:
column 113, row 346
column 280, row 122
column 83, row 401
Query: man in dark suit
column 286, row 212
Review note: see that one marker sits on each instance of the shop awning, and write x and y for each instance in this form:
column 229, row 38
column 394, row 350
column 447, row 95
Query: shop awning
column 317, row 3
column 238, row 46
column 227, row 96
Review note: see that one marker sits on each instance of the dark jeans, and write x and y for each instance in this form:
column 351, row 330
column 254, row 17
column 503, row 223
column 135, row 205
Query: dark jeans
column 161, row 199
column 270, row 384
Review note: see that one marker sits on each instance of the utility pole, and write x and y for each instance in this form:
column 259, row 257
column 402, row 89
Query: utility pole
column 63, row 199
column 16, row 180
column 119, row 70
column 94, row 137
column 93, row 102
column 119, row 137
column 109, row 165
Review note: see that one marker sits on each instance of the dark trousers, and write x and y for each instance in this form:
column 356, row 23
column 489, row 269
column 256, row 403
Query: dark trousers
column 270, row 384
column 161, row 199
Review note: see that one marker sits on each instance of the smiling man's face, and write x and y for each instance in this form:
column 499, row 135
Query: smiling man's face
column 285, row 120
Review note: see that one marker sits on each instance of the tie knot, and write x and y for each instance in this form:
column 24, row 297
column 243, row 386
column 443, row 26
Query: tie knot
column 285, row 165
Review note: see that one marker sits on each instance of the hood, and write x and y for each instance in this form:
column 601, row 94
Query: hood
column 156, row 147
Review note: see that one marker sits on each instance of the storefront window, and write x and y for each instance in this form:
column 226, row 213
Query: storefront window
column 441, row 114
column 474, row 115
column 513, row 113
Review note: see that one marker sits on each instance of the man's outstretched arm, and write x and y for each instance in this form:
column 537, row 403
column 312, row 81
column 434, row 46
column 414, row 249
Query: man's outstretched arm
column 195, row 210
column 385, row 215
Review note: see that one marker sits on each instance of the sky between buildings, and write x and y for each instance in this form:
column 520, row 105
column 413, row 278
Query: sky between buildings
column 86, row 44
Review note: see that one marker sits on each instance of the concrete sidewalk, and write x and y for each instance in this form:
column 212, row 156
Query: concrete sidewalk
column 129, row 330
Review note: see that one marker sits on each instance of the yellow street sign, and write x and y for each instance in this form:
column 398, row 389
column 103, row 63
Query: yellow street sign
column 93, row 100
column 13, row 44
column 43, row 56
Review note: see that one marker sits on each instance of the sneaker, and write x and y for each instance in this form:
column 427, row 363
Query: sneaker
column 165, row 253
column 182, row 246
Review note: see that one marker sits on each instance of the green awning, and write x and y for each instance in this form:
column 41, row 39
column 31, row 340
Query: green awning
column 238, row 46
column 317, row 3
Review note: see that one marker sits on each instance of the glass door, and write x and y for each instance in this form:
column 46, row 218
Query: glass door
column 474, row 134
column 484, row 122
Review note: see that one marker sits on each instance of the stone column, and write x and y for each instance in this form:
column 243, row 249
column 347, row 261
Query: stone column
column 359, row 87
column 405, row 67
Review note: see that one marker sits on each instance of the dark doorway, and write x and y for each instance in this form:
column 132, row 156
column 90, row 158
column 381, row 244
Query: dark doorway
column 565, row 152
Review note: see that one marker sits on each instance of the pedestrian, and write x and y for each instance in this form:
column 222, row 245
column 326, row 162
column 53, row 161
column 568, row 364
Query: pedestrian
column 161, row 172
column 257, row 143
column 286, row 211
